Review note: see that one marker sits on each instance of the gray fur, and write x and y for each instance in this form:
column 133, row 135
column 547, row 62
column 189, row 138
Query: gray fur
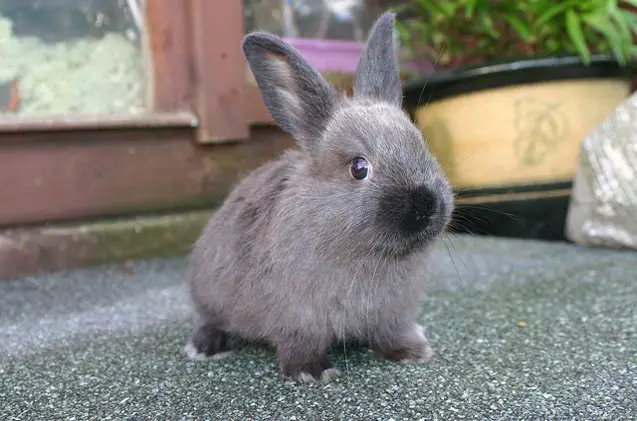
column 301, row 255
column 299, row 99
column 377, row 75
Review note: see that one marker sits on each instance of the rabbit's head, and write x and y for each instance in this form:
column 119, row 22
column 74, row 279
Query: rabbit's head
column 366, row 181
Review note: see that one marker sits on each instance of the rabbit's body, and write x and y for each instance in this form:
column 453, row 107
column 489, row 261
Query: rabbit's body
column 268, row 282
column 303, row 252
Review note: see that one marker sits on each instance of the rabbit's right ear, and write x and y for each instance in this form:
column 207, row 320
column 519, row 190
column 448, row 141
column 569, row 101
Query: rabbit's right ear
column 377, row 75
column 299, row 99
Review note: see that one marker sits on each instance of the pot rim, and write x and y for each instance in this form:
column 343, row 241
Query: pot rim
column 496, row 74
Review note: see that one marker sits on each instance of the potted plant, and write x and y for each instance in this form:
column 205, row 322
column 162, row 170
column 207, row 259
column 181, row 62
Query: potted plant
column 519, row 85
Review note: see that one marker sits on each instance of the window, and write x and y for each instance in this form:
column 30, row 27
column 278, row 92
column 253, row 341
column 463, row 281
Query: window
column 71, row 56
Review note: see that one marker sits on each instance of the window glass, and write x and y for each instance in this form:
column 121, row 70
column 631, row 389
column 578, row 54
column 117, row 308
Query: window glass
column 345, row 20
column 71, row 56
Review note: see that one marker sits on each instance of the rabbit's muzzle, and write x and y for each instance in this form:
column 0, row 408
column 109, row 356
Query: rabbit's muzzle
column 410, row 210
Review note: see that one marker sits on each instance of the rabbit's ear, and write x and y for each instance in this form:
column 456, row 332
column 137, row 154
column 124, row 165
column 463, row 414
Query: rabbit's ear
column 377, row 75
column 299, row 99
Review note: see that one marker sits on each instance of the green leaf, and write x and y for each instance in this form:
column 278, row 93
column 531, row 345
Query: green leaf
column 625, row 35
column 617, row 47
column 520, row 27
column 487, row 25
column 601, row 24
column 587, row 6
column 434, row 7
column 574, row 29
column 622, row 23
column 611, row 5
column 448, row 8
column 549, row 14
column 471, row 7
column 428, row 6
column 631, row 20
column 541, row 4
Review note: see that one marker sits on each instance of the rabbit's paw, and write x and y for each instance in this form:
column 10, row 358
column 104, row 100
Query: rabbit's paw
column 305, row 369
column 208, row 342
column 411, row 347
column 313, row 372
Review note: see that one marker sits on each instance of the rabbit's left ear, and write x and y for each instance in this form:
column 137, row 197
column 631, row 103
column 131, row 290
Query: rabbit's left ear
column 377, row 76
column 299, row 99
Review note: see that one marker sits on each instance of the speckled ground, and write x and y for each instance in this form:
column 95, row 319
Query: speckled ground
column 521, row 330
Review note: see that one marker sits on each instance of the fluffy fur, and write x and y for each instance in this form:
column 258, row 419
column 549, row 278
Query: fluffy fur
column 301, row 254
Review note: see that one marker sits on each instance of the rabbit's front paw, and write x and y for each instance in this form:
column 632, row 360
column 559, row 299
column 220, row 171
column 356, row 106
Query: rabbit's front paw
column 410, row 348
column 304, row 368
column 208, row 342
column 310, row 373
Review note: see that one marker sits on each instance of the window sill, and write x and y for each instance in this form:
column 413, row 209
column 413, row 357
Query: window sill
column 55, row 123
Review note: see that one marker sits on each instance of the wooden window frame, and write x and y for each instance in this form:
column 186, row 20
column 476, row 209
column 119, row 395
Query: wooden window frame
column 206, row 126
column 196, row 76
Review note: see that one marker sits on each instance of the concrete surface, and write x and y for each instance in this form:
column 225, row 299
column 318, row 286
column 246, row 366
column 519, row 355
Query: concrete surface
column 521, row 329
column 29, row 251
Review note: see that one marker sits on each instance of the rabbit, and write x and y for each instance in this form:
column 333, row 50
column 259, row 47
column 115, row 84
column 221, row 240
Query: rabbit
column 326, row 243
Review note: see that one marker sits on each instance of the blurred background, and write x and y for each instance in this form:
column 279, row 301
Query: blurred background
column 125, row 122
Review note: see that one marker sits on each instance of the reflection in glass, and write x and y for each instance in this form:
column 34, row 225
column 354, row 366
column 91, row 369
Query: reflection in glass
column 71, row 56
column 346, row 20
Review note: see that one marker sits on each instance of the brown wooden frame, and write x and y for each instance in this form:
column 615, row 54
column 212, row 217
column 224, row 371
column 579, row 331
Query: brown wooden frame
column 78, row 167
column 194, row 64
column 213, row 78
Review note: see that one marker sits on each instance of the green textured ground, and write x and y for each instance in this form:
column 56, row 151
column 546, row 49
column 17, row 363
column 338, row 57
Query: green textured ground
column 106, row 342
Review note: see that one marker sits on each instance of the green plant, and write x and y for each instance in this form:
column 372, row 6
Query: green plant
column 452, row 31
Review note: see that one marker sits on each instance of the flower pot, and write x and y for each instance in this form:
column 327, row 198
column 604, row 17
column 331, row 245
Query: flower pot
column 508, row 134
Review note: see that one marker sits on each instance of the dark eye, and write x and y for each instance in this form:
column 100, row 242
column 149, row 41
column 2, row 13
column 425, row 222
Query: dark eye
column 359, row 168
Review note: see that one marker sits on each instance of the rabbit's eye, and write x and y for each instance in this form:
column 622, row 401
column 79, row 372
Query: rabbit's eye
column 359, row 168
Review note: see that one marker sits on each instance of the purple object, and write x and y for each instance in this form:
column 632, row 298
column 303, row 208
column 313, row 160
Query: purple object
column 421, row 67
column 329, row 55
column 342, row 56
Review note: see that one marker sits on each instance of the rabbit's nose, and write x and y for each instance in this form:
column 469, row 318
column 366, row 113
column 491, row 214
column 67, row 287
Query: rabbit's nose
column 409, row 210
column 422, row 203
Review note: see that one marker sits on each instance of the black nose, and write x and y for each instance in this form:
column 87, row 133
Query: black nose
column 409, row 210
column 420, row 207
column 422, row 203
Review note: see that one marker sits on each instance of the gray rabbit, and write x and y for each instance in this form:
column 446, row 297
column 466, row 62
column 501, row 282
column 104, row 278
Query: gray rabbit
column 327, row 243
